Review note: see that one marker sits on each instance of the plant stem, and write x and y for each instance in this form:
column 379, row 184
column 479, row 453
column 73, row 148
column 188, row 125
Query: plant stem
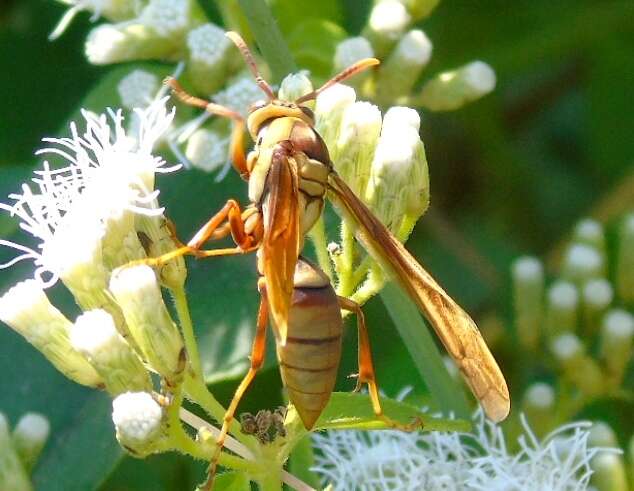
column 318, row 236
column 182, row 309
column 269, row 38
column 444, row 389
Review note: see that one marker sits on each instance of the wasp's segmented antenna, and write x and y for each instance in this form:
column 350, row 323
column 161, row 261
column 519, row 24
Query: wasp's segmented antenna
column 248, row 57
column 359, row 66
column 210, row 107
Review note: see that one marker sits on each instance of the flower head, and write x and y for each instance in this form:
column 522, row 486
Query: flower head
column 479, row 460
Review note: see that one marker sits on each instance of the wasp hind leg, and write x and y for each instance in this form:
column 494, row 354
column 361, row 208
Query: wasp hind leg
column 366, row 369
column 257, row 359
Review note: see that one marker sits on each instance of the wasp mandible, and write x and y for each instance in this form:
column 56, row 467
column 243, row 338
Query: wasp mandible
column 289, row 174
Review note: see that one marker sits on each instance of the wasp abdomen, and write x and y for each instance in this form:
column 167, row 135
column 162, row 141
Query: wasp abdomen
column 310, row 358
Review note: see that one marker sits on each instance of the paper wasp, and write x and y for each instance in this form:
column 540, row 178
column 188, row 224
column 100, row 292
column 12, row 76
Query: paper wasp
column 289, row 174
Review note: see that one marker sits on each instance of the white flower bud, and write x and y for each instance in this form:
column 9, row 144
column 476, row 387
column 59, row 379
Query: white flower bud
column 29, row 438
column 402, row 68
column 168, row 18
column 590, row 232
column 207, row 150
column 398, row 188
column 597, row 295
column 602, row 435
column 625, row 260
column 617, row 333
column 329, row 108
column 351, row 50
column 609, row 472
column 453, row 89
column 387, row 23
column 209, row 54
column 138, row 420
column 561, row 314
column 95, row 336
column 13, row 476
column 138, row 88
column 538, row 404
column 294, row 86
column 137, row 292
column 579, row 368
column 240, row 94
column 528, row 293
column 353, row 149
column 27, row 310
column 581, row 263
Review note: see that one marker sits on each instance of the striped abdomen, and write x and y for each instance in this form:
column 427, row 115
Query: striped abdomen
column 310, row 358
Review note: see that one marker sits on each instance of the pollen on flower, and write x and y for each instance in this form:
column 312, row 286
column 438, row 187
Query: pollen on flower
column 137, row 89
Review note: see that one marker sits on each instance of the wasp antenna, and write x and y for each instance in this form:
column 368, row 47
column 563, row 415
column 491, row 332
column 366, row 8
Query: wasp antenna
column 248, row 57
column 352, row 70
column 191, row 100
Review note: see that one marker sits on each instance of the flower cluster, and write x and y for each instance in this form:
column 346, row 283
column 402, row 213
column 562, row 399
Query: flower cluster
column 580, row 326
column 20, row 450
column 479, row 460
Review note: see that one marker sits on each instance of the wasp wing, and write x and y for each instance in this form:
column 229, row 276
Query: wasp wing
column 452, row 324
column 281, row 241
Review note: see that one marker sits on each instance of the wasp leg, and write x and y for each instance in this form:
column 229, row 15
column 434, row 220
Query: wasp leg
column 236, row 147
column 366, row 369
column 257, row 359
column 231, row 211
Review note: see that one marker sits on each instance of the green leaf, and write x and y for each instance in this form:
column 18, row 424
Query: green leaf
column 232, row 481
column 290, row 13
column 447, row 393
column 354, row 411
column 302, row 459
column 313, row 43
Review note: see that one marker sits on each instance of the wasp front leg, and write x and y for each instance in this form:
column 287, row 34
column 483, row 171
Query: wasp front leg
column 366, row 369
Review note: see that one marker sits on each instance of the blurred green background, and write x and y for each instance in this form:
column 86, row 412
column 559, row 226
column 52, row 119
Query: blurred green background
column 510, row 174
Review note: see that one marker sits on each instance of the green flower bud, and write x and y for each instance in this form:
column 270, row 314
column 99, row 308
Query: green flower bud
column 329, row 109
column 597, row 295
column 561, row 313
column 294, row 86
column 398, row 189
column 137, row 292
column 617, row 333
column 528, row 293
column 625, row 260
column 207, row 150
column 402, row 68
column 96, row 337
column 139, row 423
column 609, row 472
column 582, row 263
column 538, row 404
column 209, row 53
column 602, row 435
column 348, row 52
column 13, row 476
column 420, row 9
column 387, row 23
column 354, row 146
column 29, row 438
column 138, row 88
column 27, row 310
column 453, row 89
column 577, row 367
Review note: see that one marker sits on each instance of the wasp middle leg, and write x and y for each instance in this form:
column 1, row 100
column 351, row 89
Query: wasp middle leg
column 366, row 369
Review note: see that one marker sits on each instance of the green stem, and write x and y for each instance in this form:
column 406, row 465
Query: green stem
column 269, row 38
column 182, row 309
column 444, row 389
column 271, row 480
column 318, row 236
column 346, row 261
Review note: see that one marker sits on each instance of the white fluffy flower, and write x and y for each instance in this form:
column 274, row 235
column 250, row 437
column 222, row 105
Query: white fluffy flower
column 138, row 419
column 393, row 460
column 82, row 214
